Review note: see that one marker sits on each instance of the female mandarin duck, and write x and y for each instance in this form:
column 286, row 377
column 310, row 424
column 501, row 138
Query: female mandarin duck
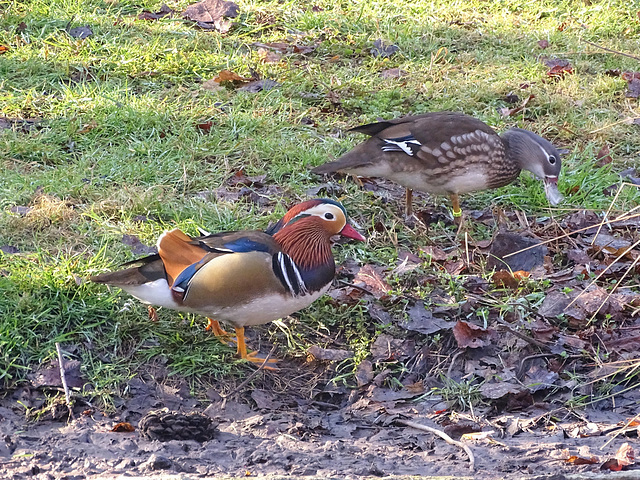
column 244, row 278
column 449, row 153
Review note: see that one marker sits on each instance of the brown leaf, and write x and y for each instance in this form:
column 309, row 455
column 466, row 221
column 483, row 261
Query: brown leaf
column 229, row 76
column 455, row 267
column 329, row 354
column 603, row 158
column 381, row 49
column 240, row 179
column 543, row 43
column 387, row 348
column 634, row 89
column 123, row 427
column 558, row 68
column 204, row 127
column 393, row 73
column 3, row 49
column 49, row 375
column 503, row 252
column 364, row 373
column 436, row 253
column 423, row 321
column 210, row 14
column 269, row 56
column 265, row 400
column 506, row 279
column 163, row 12
column 371, row 276
column 80, row 32
column 508, row 112
column 88, row 127
column 211, row 10
column 21, row 27
column 303, row 49
column 469, row 335
column 137, row 247
column 625, row 455
column 577, row 460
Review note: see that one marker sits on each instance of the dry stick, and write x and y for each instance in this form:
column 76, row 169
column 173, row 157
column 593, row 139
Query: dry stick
column 604, row 222
column 611, row 50
column 630, row 248
column 248, row 379
column 631, row 267
column 619, row 431
column 63, row 378
column 615, row 198
column 444, row 436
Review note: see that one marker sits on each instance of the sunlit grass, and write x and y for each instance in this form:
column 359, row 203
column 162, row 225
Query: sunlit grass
column 116, row 148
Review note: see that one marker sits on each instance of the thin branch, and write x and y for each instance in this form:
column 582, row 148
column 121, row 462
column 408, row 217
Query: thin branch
column 63, row 378
column 249, row 378
column 442, row 435
column 611, row 50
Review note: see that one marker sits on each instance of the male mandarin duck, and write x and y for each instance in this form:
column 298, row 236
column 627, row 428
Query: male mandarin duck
column 449, row 153
column 243, row 278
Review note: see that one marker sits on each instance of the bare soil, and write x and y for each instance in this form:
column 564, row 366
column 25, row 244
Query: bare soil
column 339, row 433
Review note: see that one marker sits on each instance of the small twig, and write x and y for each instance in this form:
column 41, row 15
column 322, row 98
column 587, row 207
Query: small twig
column 357, row 287
column 611, row 50
column 522, row 336
column 619, row 431
column 606, row 222
column 248, row 379
column 63, row 378
column 442, row 435
column 453, row 361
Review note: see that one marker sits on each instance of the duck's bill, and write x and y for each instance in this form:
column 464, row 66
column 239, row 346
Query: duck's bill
column 551, row 190
column 350, row 232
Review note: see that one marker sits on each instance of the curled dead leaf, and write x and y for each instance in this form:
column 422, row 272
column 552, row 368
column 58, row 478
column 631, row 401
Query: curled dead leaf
column 469, row 335
column 123, row 427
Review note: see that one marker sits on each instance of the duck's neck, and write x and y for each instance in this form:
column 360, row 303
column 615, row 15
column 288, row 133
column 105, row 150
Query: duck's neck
column 306, row 243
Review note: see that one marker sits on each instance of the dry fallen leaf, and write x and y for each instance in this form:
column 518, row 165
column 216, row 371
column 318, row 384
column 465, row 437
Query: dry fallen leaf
column 329, row 354
column 469, row 335
column 602, row 157
column 3, row 49
column 578, row 460
column 88, row 127
column 231, row 77
column 163, row 12
column 210, row 14
column 123, row 427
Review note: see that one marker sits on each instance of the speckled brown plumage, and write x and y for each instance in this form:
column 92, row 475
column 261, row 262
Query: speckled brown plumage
column 448, row 153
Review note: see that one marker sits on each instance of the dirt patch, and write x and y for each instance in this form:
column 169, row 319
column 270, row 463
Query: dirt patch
column 351, row 434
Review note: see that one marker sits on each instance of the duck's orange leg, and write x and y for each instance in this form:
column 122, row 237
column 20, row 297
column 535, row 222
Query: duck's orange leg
column 215, row 328
column 253, row 356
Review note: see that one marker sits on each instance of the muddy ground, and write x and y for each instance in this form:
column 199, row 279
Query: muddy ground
column 337, row 433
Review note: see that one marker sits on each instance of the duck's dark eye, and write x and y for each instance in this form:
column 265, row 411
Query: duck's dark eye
column 328, row 216
column 552, row 160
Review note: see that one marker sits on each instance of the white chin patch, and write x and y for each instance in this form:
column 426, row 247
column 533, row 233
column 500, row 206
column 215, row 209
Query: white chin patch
column 551, row 191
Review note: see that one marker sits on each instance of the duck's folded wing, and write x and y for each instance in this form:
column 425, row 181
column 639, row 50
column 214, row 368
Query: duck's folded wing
column 143, row 270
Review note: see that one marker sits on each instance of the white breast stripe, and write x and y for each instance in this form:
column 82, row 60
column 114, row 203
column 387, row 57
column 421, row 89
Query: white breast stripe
column 301, row 284
column 286, row 265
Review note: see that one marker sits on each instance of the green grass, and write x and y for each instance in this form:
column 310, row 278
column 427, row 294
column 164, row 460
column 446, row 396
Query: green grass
column 117, row 138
